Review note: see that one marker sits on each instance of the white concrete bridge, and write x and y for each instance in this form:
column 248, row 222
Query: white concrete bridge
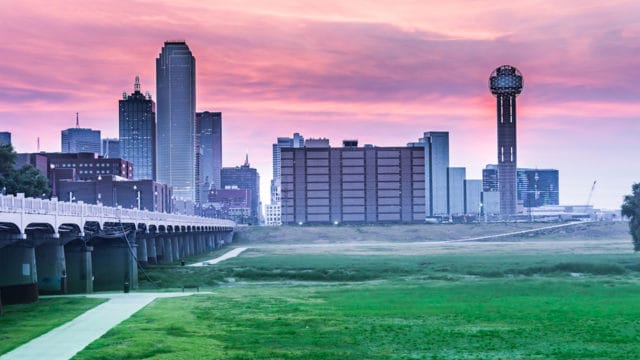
column 50, row 246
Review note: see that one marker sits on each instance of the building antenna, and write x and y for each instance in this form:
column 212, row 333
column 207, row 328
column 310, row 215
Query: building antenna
column 77, row 120
column 246, row 159
column 38, row 144
column 136, row 86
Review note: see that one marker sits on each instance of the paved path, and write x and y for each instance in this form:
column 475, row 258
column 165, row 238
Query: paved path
column 233, row 253
column 65, row 341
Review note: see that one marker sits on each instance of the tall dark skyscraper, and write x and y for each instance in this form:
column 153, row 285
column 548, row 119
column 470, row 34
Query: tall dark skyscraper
column 176, row 95
column 138, row 132
column 505, row 83
column 209, row 155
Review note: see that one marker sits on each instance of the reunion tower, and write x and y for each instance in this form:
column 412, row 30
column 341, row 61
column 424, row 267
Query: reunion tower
column 505, row 83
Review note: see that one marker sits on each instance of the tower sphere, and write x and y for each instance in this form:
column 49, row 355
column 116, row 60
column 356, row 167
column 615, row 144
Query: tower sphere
column 505, row 80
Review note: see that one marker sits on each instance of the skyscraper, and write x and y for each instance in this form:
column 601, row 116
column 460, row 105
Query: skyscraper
column 176, row 94
column 209, row 154
column 436, row 158
column 138, row 132
column 297, row 141
column 75, row 140
column 505, row 83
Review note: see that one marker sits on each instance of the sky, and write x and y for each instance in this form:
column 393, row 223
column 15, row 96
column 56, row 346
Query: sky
column 383, row 72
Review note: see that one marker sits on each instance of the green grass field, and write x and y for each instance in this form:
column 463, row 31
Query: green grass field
column 553, row 316
column 567, row 294
column 21, row 323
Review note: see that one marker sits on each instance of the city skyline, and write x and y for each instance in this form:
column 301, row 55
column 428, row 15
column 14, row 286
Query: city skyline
column 348, row 71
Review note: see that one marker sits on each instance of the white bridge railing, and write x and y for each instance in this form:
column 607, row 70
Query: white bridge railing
column 20, row 204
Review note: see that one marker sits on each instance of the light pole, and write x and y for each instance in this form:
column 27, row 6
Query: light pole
column 135, row 188
column 53, row 180
column 71, row 197
column 99, row 201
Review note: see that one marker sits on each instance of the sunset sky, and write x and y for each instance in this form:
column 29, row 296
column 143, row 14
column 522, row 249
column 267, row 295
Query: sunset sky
column 383, row 72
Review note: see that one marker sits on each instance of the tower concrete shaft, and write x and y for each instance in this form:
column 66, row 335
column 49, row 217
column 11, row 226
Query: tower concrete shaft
column 507, row 153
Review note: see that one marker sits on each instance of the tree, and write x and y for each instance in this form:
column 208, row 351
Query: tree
column 27, row 180
column 631, row 209
column 7, row 159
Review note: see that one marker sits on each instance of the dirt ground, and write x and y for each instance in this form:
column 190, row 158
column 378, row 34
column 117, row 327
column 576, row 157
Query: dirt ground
column 581, row 238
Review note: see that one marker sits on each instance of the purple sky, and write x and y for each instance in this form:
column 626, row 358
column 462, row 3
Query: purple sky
column 382, row 73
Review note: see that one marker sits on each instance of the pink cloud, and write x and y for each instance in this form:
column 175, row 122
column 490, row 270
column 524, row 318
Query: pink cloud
column 382, row 72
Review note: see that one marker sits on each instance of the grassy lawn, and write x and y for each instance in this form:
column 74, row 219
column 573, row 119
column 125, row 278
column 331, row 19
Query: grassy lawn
column 447, row 306
column 523, row 318
column 21, row 323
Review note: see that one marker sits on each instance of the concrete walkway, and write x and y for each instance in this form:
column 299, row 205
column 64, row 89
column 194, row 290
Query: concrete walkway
column 65, row 341
column 233, row 253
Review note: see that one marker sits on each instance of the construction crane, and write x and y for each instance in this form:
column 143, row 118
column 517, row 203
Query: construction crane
column 593, row 187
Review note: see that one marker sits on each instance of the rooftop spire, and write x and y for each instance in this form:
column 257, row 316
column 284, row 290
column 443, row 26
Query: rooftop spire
column 136, row 86
column 77, row 120
column 246, row 159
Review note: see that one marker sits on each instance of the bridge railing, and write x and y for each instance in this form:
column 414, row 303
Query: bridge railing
column 20, row 204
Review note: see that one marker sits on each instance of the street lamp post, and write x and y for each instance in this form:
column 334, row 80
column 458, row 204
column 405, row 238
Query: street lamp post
column 53, row 180
column 135, row 188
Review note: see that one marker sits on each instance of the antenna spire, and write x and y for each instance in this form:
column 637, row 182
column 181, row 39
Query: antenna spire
column 136, row 86
column 77, row 120
column 246, row 159
column 38, row 144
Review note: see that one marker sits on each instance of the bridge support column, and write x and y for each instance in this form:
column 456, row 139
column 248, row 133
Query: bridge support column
column 114, row 264
column 159, row 248
column 210, row 241
column 79, row 268
column 151, row 249
column 142, row 249
column 216, row 240
column 228, row 237
column 18, row 278
column 177, row 246
column 52, row 269
column 200, row 247
column 167, row 256
column 188, row 244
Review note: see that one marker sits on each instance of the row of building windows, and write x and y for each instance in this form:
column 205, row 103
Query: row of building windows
column 87, row 165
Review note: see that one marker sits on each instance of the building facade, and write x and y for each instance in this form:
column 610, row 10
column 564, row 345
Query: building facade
column 352, row 184
column 77, row 140
column 436, row 157
column 110, row 148
column 505, row 84
column 473, row 197
column 232, row 204
column 5, row 138
column 176, row 95
column 456, row 177
column 297, row 141
column 538, row 187
column 137, row 130
column 245, row 178
column 115, row 191
column 209, row 154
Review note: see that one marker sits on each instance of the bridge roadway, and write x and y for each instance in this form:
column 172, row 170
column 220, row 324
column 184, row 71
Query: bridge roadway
column 54, row 247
